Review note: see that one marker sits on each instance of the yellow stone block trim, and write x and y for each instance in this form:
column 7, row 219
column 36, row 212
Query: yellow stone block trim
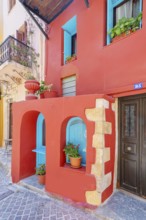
column 99, row 156
column 113, row 107
column 95, row 114
column 103, row 127
column 98, row 141
column 106, row 155
column 102, row 155
column 102, row 103
column 104, row 182
column 93, row 197
column 98, row 170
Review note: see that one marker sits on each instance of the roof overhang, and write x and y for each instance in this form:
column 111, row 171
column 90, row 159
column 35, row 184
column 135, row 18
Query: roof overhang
column 47, row 10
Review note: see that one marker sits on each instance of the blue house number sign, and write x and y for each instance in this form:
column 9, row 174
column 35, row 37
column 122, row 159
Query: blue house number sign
column 138, row 86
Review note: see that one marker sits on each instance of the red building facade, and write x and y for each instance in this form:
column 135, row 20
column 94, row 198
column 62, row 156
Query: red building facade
column 113, row 69
column 99, row 66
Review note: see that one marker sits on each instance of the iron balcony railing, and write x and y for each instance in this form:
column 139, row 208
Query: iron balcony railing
column 14, row 50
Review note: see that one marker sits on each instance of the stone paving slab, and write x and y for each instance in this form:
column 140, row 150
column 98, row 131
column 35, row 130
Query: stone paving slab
column 17, row 203
column 5, row 167
column 23, row 205
column 123, row 206
column 4, row 176
column 5, row 194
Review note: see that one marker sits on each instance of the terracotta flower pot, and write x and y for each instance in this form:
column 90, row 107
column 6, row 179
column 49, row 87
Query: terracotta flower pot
column 50, row 94
column 42, row 95
column 41, row 179
column 32, row 86
column 123, row 35
column 75, row 162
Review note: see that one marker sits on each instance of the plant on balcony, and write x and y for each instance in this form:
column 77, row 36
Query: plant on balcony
column 32, row 85
column 24, row 55
column 72, row 151
column 125, row 26
column 46, row 91
column 70, row 58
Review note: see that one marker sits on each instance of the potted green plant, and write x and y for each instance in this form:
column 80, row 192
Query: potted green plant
column 72, row 152
column 32, row 85
column 74, row 57
column 124, row 27
column 70, row 58
column 42, row 89
column 46, row 91
column 41, row 172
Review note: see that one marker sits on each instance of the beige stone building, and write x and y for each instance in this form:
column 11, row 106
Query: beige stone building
column 20, row 34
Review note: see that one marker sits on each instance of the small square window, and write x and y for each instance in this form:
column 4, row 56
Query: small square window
column 69, row 86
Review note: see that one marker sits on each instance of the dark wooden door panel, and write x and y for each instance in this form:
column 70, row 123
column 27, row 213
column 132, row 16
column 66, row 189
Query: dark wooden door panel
column 130, row 148
column 129, row 145
column 129, row 175
column 132, row 158
column 143, row 149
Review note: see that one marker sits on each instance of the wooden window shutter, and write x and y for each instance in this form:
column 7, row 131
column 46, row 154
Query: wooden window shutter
column 69, row 86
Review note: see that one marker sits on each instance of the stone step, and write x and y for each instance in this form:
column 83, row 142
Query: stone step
column 32, row 188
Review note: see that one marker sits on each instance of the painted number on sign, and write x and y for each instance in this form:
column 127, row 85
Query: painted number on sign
column 138, row 86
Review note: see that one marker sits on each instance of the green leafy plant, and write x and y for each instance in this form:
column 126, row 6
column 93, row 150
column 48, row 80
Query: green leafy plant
column 125, row 25
column 74, row 56
column 44, row 87
column 71, row 150
column 41, row 170
column 70, row 58
column 30, row 77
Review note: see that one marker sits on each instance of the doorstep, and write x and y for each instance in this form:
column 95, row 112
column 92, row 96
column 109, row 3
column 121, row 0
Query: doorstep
column 31, row 183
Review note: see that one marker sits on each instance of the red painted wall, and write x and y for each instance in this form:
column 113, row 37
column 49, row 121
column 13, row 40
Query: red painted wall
column 62, row 180
column 99, row 68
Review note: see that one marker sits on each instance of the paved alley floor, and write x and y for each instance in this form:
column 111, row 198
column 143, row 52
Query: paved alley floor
column 122, row 206
column 19, row 203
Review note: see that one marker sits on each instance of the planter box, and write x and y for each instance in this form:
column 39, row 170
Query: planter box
column 120, row 37
column 48, row 94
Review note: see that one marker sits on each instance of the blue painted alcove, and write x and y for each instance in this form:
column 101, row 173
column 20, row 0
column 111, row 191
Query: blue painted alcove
column 40, row 141
column 76, row 134
column 70, row 28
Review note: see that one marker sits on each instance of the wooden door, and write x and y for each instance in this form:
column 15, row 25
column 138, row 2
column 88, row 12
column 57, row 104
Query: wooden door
column 132, row 147
column 143, row 151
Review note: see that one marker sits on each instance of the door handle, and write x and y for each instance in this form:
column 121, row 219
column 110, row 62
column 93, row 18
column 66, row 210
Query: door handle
column 129, row 148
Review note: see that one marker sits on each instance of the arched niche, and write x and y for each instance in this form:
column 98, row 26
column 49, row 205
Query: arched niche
column 40, row 140
column 76, row 134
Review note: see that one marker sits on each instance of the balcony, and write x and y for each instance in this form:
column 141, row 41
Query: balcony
column 15, row 60
column 47, row 10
